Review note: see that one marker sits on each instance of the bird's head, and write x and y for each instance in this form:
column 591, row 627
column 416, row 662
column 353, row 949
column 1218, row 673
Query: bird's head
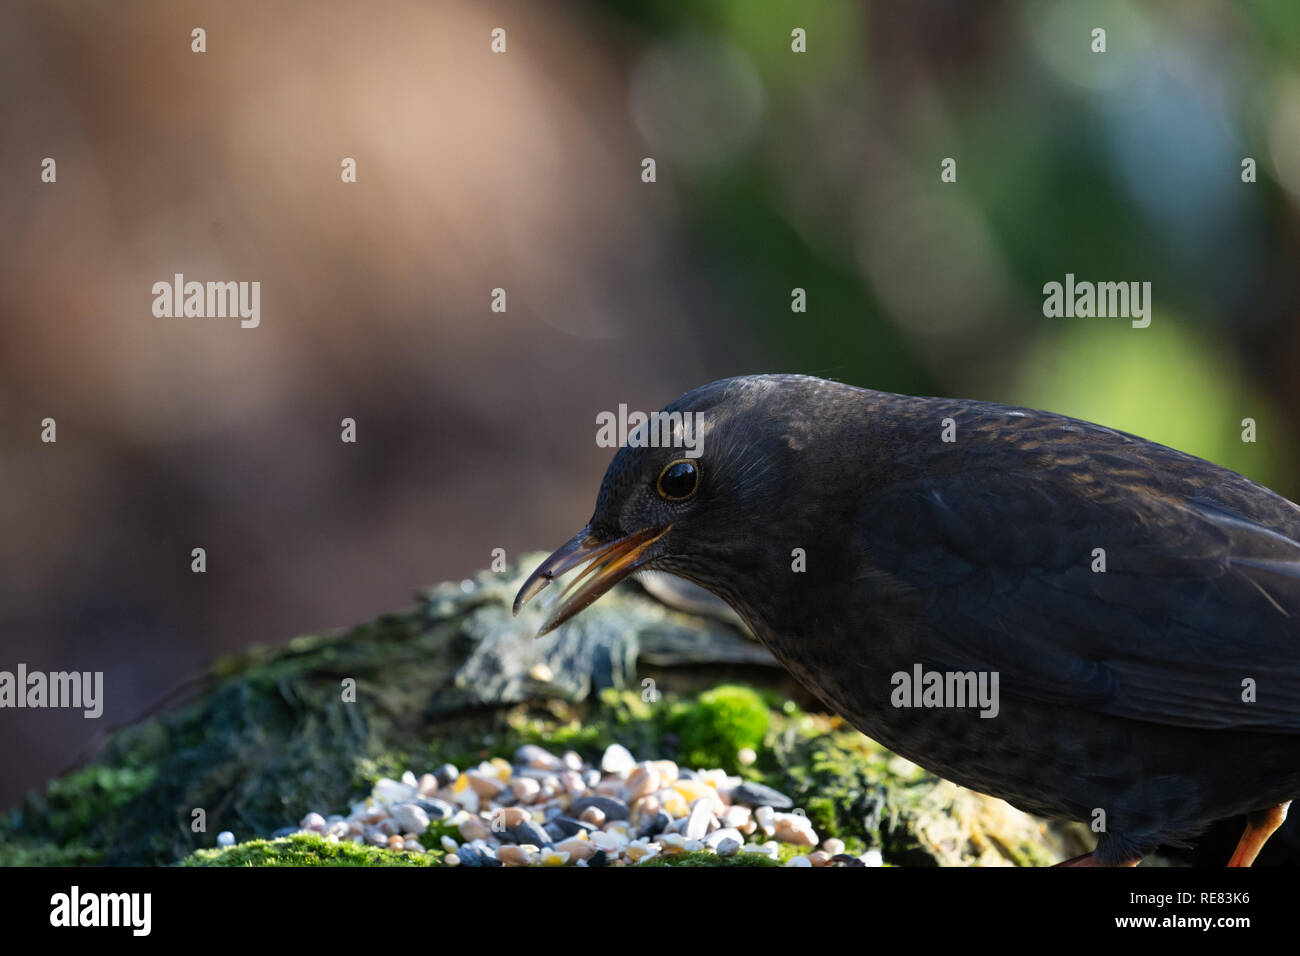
column 722, row 506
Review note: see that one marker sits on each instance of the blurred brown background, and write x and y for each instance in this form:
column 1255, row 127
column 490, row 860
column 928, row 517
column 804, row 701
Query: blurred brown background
column 522, row 170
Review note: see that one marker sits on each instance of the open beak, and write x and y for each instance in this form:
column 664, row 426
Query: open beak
column 611, row 561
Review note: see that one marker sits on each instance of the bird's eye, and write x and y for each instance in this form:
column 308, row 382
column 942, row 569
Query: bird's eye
column 678, row 480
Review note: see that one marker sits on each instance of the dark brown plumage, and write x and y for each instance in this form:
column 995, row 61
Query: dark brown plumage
column 1124, row 694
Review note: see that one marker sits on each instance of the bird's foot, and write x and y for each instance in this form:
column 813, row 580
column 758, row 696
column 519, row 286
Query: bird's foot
column 1260, row 825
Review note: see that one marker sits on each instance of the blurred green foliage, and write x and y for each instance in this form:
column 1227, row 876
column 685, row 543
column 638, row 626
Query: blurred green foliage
column 1115, row 166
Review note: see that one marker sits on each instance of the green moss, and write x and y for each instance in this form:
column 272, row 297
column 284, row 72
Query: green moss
column 24, row 854
column 714, row 728
column 706, row 731
column 432, row 838
column 75, row 802
column 788, row 851
column 585, row 727
column 266, row 737
column 73, row 811
column 710, row 859
column 823, row 816
column 304, row 850
column 848, row 786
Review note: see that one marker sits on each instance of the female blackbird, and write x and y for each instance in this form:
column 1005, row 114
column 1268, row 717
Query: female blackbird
column 1081, row 622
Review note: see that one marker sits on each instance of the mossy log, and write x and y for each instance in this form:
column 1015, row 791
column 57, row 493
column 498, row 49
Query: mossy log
column 271, row 734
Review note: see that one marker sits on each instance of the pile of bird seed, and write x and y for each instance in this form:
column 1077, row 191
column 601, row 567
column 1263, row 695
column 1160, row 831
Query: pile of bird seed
column 544, row 810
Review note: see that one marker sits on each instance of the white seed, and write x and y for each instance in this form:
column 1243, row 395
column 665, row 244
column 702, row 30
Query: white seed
column 571, row 760
column 482, row 784
column 517, row 855
column 472, row 828
column 541, row 673
column 578, row 849
column 617, row 760
column 795, row 828
column 672, row 842
column 638, row 850
column 411, row 818
column 388, row 791
column 697, row 821
column 620, row 827
column 667, row 771
column 510, row 816
column 538, row 757
column 716, row 838
column 643, row 782
column 737, row 817
column 467, row 799
column 526, row 789
column 609, row 842
column 717, row 779
column 644, row 808
column 727, row 847
column 573, row 784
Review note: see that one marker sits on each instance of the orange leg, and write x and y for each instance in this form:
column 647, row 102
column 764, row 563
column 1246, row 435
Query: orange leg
column 1088, row 860
column 1260, row 825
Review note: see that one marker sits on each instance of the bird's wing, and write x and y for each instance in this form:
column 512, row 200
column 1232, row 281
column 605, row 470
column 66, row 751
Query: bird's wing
column 1197, row 599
